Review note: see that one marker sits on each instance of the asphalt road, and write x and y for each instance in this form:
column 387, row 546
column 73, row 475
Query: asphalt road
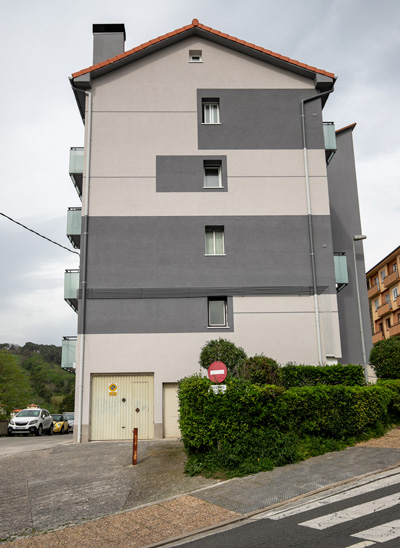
column 359, row 515
column 14, row 445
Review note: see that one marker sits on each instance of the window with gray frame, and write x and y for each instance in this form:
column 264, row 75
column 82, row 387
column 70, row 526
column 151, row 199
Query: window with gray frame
column 212, row 174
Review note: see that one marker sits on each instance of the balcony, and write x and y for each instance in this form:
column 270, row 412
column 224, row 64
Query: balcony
column 76, row 156
column 71, row 286
column 391, row 279
column 341, row 274
column 377, row 337
column 373, row 291
column 68, row 353
column 330, row 141
column 394, row 329
column 74, row 216
column 384, row 309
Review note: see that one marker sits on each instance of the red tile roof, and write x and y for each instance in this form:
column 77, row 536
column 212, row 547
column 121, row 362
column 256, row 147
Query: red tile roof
column 195, row 23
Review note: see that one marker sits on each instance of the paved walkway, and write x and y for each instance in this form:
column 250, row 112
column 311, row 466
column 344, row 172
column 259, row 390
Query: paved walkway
column 209, row 503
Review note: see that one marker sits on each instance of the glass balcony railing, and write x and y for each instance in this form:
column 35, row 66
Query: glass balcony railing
column 71, row 287
column 341, row 274
column 330, row 141
column 76, row 157
column 74, row 216
column 68, row 353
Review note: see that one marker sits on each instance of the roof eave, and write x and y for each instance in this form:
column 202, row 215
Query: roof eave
column 324, row 79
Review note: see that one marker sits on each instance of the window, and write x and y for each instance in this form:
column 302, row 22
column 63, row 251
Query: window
column 195, row 56
column 210, row 111
column 215, row 244
column 395, row 292
column 217, row 316
column 376, row 304
column 387, row 298
column 395, row 267
column 212, row 174
column 383, row 275
column 388, row 323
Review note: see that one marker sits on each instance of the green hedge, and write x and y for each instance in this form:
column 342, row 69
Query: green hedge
column 254, row 427
column 310, row 375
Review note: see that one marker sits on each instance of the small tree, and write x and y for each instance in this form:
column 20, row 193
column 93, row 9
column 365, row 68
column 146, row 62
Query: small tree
column 224, row 351
column 385, row 358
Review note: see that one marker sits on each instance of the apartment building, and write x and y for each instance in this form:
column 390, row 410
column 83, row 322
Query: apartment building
column 383, row 294
column 216, row 202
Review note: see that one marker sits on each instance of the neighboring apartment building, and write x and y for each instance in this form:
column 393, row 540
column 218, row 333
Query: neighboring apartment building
column 383, row 294
column 208, row 210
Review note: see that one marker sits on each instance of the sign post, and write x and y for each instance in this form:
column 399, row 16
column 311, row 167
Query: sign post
column 217, row 373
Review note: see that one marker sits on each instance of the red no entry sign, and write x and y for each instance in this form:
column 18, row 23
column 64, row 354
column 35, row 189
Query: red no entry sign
column 217, row 372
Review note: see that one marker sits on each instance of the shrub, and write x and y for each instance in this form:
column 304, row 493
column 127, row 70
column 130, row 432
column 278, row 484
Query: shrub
column 225, row 351
column 261, row 370
column 255, row 427
column 385, row 358
column 310, row 375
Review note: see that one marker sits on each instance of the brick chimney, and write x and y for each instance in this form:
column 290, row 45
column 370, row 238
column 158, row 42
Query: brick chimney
column 108, row 41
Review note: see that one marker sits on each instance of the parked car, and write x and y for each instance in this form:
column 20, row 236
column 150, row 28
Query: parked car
column 60, row 423
column 31, row 421
column 70, row 418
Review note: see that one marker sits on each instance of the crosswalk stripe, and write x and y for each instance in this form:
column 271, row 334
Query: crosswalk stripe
column 382, row 533
column 352, row 492
column 363, row 544
column 348, row 514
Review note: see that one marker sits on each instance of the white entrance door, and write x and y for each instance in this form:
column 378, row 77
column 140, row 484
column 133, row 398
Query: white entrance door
column 119, row 404
column 171, row 414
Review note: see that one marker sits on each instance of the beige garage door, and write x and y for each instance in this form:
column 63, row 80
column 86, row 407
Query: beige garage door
column 119, row 404
column 171, row 406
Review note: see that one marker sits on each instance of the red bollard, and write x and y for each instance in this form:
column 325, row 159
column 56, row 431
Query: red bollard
column 134, row 455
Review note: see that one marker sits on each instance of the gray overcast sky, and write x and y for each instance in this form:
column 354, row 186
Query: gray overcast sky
column 43, row 42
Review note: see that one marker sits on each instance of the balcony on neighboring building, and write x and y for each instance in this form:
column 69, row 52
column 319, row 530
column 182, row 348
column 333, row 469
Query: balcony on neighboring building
column 76, row 156
column 391, row 279
column 68, row 353
column 74, row 216
column 330, row 141
column 71, row 286
column 394, row 329
column 373, row 291
column 384, row 309
column 379, row 336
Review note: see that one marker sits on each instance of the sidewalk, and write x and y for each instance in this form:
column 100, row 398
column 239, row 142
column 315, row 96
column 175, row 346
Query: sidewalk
column 210, row 503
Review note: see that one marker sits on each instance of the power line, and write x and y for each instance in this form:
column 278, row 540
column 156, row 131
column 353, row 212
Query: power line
column 37, row 233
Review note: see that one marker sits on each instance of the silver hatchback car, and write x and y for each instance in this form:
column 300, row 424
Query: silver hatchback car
column 31, row 421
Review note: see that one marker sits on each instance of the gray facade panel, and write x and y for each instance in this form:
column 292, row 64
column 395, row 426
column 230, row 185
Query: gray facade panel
column 169, row 252
column 152, row 316
column 346, row 224
column 254, row 119
column 185, row 173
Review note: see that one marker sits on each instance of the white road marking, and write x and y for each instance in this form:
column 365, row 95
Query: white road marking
column 382, row 533
column 363, row 544
column 350, row 493
column 348, row 514
column 217, row 372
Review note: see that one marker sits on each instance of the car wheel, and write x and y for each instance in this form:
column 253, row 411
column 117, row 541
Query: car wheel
column 50, row 431
column 9, row 434
column 61, row 431
column 39, row 431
